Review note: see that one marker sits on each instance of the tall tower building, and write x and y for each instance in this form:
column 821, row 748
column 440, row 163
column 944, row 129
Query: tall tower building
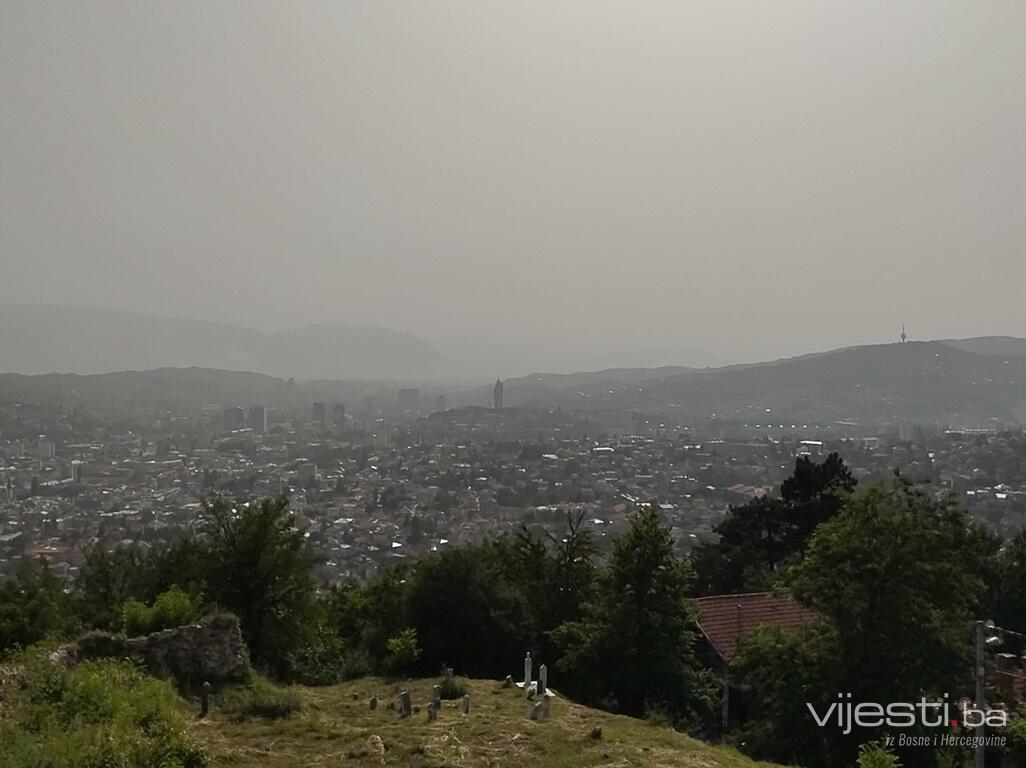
column 256, row 418
column 234, row 418
column 497, row 394
column 320, row 415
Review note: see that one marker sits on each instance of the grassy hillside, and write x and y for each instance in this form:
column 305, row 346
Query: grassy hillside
column 337, row 727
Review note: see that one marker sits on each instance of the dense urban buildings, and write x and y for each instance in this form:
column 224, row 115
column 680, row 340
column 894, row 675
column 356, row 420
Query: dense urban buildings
column 379, row 486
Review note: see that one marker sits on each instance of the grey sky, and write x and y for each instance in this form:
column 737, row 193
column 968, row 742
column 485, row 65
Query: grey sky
column 551, row 184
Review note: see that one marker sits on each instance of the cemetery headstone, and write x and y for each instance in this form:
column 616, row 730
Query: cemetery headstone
column 405, row 707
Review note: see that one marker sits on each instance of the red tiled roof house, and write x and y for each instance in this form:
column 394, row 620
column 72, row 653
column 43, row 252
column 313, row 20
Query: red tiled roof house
column 725, row 619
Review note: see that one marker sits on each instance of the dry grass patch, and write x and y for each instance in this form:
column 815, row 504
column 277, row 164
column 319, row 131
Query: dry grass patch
column 336, row 727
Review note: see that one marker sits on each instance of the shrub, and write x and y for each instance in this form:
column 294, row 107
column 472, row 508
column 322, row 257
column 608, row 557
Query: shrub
column 876, row 754
column 356, row 663
column 1015, row 747
column 453, row 688
column 322, row 660
column 172, row 608
column 259, row 699
column 403, row 652
column 99, row 714
column 659, row 716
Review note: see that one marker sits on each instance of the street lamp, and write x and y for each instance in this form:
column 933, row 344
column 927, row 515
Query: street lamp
column 985, row 638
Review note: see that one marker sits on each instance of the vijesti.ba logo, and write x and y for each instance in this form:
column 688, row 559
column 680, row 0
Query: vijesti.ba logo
column 846, row 714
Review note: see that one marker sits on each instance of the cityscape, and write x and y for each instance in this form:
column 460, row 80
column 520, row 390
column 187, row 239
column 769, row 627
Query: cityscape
column 396, row 477
column 460, row 384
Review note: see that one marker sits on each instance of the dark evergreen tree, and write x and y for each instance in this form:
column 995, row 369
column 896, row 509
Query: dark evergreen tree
column 635, row 643
column 757, row 537
column 467, row 613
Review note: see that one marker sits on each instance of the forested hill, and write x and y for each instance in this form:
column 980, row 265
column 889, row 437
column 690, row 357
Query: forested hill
column 929, row 382
column 970, row 383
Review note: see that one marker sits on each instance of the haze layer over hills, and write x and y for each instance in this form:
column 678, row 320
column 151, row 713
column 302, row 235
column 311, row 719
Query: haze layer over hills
column 180, row 364
column 41, row 339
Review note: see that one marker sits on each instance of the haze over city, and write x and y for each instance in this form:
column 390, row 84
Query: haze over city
column 528, row 186
column 520, row 382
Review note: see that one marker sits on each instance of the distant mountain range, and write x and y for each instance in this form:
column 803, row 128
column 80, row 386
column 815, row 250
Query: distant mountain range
column 42, row 339
column 179, row 363
column 966, row 381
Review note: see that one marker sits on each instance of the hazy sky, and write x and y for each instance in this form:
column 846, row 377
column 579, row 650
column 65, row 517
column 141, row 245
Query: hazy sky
column 552, row 184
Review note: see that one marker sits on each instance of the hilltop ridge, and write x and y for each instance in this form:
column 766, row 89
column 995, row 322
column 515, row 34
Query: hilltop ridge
column 336, row 726
column 44, row 339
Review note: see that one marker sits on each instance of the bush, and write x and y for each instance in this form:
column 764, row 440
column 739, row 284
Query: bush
column 99, row 714
column 172, row 608
column 659, row 716
column 876, row 754
column 1015, row 747
column 356, row 663
column 326, row 659
column 403, row 652
column 259, row 699
column 453, row 688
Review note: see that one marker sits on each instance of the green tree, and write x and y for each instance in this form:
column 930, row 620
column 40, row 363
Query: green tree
column 403, row 652
column 107, row 579
column 260, row 571
column 635, row 642
column 33, row 606
column 750, row 547
column 899, row 574
column 110, row 577
column 325, row 657
column 172, row 608
column 556, row 574
column 896, row 576
column 467, row 613
column 367, row 615
column 812, row 495
column 782, row 670
column 758, row 537
column 1008, row 598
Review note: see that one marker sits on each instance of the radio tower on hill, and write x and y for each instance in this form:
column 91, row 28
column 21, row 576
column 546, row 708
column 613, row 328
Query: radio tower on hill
column 904, row 336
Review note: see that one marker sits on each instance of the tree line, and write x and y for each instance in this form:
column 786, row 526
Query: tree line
column 896, row 572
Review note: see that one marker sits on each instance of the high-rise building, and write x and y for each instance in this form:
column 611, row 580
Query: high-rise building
column 256, row 418
column 497, row 395
column 234, row 418
column 338, row 415
column 440, row 404
column 305, row 472
column 46, row 449
column 320, row 415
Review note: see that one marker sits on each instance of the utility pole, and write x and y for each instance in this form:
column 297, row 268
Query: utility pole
column 981, row 693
